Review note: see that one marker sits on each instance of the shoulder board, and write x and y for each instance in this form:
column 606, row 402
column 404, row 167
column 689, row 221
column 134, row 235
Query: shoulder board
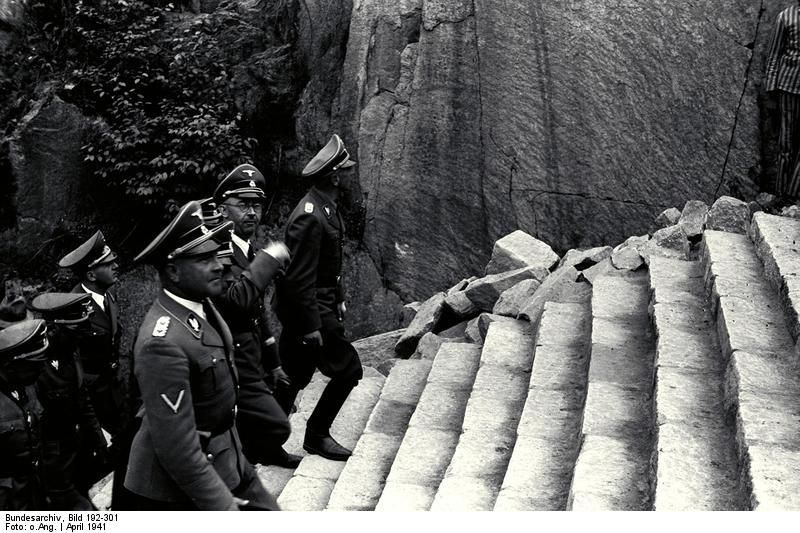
column 161, row 327
column 309, row 207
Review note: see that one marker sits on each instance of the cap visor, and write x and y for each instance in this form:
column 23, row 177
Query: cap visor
column 209, row 242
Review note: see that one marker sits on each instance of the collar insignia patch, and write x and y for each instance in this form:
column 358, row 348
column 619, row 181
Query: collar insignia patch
column 193, row 323
column 174, row 405
column 309, row 207
column 161, row 327
column 15, row 394
column 54, row 364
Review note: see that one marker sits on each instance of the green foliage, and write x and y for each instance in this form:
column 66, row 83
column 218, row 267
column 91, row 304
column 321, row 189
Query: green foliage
column 171, row 128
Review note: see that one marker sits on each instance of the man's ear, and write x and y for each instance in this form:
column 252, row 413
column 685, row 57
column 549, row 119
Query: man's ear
column 91, row 275
column 335, row 179
column 223, row 210
column 172, row 272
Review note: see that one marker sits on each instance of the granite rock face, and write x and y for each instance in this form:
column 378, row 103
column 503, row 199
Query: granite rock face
column 489, row 117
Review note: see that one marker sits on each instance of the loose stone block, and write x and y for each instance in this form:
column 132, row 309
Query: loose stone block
column 728, row 214
column 560, row 286
column 484, row 292
column 425, row 320
column 582, row 259
column 520, row 250
column 693, row 218
column 667, row 217
column 512, row 300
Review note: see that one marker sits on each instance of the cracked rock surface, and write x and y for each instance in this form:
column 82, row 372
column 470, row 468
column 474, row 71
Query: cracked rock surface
column 577, row 123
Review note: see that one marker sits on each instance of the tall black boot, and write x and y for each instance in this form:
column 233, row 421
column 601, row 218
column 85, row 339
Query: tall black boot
column 318, row 438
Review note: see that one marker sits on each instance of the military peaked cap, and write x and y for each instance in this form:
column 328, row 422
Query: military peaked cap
column 332, row 157
column 244, row 181
column 185, row 236
column 64, row 307
column 90, row 254
column 211, row 215
column 24, row 341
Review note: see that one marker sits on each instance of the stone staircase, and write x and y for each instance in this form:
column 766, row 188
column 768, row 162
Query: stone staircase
column 674, row 386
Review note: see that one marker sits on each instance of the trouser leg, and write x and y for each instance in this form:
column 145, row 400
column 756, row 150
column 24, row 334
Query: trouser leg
column 329, row 405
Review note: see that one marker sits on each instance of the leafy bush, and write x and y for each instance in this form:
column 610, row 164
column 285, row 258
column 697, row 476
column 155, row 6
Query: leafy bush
column 171, row 127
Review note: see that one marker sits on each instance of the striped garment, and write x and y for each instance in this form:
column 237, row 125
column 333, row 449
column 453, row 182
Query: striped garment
column 783, row 75
column 783, row 62
column 788, row 180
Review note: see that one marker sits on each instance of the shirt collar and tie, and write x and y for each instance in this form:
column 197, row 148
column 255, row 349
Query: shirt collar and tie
column 244, row 246
column 96, row 296
column 195, row 307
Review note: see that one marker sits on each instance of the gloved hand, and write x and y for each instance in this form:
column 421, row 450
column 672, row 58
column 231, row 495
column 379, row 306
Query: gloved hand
column 279, row 251
column 313, row 339
column 237, row 504
column 277, row 378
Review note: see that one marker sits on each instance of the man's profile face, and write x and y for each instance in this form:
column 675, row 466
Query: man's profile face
column 245, row 214
column 198, row 276
column 105, row 275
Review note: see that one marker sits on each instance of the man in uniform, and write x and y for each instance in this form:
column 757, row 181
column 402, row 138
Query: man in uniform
column 310, row 301
column 262, row 424
column 96, row 266
column 187, row 454
column 74, row 448
column 22, row 359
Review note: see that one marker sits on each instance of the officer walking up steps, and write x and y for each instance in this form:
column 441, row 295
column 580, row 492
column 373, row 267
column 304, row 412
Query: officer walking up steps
column 74, row 447
column 22, row 359
column 96, row 266
column 187, row 453
column 262, row 424
column 310, row 302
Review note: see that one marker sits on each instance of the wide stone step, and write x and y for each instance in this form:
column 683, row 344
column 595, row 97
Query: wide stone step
column 274, row 477
column 762, row 386
column 612, row 471
column 475, row 474
column 777, row 241
column 433, row 431
column 361, row 482
column 696, row 459
column 310, row 487
column 548, row 435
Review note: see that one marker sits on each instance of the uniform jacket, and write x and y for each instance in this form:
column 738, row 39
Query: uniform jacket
column 20, row 449
column 100, row 349
column 242, row 307
column 310, row 290
column 783, row 61
column 187, row 447
column 62, row 391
